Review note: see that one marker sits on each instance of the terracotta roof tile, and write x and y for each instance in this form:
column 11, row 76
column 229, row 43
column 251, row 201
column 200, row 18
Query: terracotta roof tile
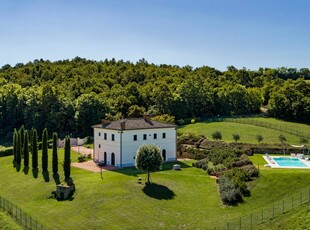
column 134, row 123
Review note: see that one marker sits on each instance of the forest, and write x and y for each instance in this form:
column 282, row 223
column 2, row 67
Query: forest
column 69, row 96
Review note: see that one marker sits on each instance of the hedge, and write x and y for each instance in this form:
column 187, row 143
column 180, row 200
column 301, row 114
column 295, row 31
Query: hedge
column 6, row 152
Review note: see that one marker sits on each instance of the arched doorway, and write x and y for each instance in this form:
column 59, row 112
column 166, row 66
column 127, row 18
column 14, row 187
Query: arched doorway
column 164, row 154
column 112, row 159
column 105, row 157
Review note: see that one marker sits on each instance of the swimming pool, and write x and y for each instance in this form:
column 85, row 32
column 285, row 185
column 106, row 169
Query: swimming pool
column 286, row 162
column 289, row 161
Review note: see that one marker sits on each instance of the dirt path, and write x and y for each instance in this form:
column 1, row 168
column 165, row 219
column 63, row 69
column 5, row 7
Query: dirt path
column 92, row 166
column 82, row 150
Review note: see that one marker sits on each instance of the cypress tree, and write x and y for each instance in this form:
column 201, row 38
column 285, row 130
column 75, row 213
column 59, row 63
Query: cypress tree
column 18, row 149
column 34, row 149
column 26, row 150
column 44, row 150
column 22, row 137
column 55, row 156
column 15, row 144
column 67, row 159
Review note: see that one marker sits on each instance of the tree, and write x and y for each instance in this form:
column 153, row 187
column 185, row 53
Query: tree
column 282, row 140
column 22, row 136
column 34, row 149
column 55, row 155
column 67, row 158
column 303, row 141
column 26, row 149
column 149, row 159
column 44, row 150
column 236, row 137
column 259, row 138
column 15, row 139
column 217, row 135
column 19, row 149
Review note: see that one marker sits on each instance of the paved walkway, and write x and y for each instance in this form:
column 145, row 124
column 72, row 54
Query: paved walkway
column 82, row 150
column 92, row 166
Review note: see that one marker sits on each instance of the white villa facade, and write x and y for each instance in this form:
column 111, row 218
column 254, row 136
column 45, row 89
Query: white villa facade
column 116, row 142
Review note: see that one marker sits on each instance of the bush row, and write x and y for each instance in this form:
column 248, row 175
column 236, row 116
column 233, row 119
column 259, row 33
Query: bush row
column 6, row 152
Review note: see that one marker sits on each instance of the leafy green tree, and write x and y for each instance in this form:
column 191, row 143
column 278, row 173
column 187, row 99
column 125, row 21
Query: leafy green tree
column 135, row 111
column 149, row 159
column 44, row 150
column 34, row 149
column 164, row 118
column 259, row 138
column 55, row 155
column 236, row 137
column 67, row 158
column 217, row 135
column 22, row 136
column 26, row 149
column 282, row 139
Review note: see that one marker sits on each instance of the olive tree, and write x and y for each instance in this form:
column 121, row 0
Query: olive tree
column 149, row 159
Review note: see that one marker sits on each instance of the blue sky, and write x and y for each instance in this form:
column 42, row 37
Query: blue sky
column 216, row 33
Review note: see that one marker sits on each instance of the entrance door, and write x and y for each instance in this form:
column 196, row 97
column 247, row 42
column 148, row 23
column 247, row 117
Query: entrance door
column 112, row 159
column 164, row 154
column 105, row 157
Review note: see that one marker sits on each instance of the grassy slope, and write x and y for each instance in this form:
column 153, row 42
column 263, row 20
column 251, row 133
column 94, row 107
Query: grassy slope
column 296, row 219
column 246, row 132
column 7, row 223
column 118, row 202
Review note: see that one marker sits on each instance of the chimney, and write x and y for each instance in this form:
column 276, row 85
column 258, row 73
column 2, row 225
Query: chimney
column 123, row 124
column 105, row 122
column 146, row 117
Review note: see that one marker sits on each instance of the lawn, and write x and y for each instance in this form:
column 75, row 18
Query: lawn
column 7, row 223
column 184, row 199
column 247, row 132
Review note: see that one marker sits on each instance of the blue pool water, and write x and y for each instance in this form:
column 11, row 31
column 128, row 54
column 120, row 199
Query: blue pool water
column 289, row 162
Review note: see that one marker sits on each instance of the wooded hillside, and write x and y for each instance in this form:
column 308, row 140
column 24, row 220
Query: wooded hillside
column 71, row 95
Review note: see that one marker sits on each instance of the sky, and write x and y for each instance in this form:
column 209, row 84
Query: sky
column 215, row 33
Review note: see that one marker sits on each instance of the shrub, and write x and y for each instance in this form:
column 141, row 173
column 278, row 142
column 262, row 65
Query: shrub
column 6, row 152
column 228, row 192
column 217, row 135
column 82, row 158
column 251, row 170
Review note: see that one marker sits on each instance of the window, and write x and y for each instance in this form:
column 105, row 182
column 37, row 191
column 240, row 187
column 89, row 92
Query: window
column 113, row 137
column 134, row 137
column 99, row 134
column 155, row 135
column 144, row 136
column 99, row 146
column 105, row 136
column 164, row 135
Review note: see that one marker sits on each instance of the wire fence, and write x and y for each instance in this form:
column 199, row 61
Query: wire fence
column 22, row 218
column 282, row 128
column 267, row 213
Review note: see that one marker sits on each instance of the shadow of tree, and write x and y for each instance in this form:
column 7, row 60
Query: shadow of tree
column 56, row 178
column 159, row 192
column 17, row 167
column 46, row 176
column 35, row 173
column 26, row 170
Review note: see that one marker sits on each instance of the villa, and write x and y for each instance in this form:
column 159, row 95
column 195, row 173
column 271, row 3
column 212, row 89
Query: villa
column 116, row 142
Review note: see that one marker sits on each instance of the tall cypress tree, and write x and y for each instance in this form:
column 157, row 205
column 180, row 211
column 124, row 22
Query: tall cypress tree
column 55, row 156
column 15, row 136
column 34, row 149
column 18, row 149
column 67, row 160
column 26, row 150
column 44, row 150
column 22, row 137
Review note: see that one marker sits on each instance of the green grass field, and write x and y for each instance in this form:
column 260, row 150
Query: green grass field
column 247, row 132
column 186, row 199
column 7, row 223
